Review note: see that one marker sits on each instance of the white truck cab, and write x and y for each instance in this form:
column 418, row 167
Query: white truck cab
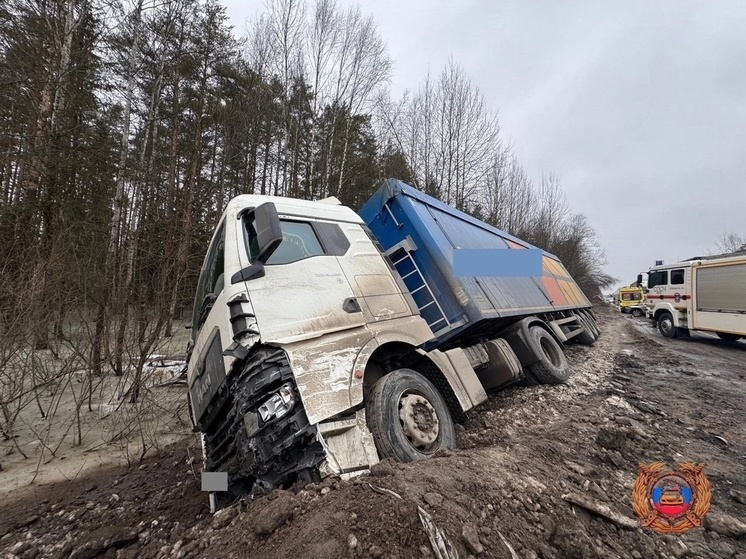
column 294, row 302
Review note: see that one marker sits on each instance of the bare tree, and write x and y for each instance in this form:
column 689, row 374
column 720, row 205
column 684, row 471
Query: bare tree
column 730, row 242
column 363, row 66
column 112, row 265
column 322, row 41
column 285, row 25
column 551, row 212
column 449, row 136
column 507, row 200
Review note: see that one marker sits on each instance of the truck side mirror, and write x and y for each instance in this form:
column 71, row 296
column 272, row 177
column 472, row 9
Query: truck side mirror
column 266, row 224
column 639, row 280
column 268, row 230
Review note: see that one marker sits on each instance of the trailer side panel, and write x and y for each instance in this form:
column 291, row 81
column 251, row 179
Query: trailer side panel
column 420, row 234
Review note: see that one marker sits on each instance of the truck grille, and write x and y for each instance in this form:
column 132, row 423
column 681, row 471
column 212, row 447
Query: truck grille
column 276, row 451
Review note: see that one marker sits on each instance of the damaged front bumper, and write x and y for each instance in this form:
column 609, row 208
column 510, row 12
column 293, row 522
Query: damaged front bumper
column 349, row 445
column 263, row 437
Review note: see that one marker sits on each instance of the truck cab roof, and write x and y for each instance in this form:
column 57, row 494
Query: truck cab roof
column 329, row 208
column 732, row 257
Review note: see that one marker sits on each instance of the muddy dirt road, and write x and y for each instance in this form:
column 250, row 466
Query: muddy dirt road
column 525, row 460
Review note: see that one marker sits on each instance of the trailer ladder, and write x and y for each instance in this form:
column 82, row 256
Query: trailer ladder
column 401, row 257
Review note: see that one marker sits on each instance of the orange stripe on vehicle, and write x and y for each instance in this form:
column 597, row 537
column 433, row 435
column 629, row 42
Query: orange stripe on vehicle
column 563, row 271
column 570, row 293
column 578, row 294
column 559, row 270
column 551, row 267
column 546, row 267
column 555, row 291
column 547, row 263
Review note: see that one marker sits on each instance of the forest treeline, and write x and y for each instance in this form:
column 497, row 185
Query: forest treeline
column 126, row 126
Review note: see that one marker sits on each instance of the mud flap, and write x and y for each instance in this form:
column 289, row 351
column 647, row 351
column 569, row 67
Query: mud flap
column 502, row 368
column 460, row 376
column 517, row 335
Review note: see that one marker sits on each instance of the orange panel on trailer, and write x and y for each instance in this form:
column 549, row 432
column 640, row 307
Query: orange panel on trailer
column 549, row 266
column 554, row 290
column 571, row 292
column 556, row 269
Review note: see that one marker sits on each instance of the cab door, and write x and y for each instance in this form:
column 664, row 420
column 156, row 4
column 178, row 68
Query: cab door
column 304, row 292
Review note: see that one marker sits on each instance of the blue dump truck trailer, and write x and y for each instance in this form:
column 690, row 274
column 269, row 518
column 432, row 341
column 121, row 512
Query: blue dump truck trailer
column 420, row 234
column 324, row 340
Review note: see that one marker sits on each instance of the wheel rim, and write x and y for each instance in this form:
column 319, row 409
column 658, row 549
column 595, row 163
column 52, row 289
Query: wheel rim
column 666, row 325
column 419, row 422
column 550, row 351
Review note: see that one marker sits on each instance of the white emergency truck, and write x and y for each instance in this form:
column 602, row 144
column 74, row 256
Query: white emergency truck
column 703, row 294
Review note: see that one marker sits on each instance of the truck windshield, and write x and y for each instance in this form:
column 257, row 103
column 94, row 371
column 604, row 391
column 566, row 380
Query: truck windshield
column 658, row 278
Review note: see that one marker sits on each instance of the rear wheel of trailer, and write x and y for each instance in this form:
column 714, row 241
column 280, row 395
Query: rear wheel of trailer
column 552, row 367
column 591, row 320
column 588, row 335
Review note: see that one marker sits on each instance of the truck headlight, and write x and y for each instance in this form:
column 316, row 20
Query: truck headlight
column 277, row 405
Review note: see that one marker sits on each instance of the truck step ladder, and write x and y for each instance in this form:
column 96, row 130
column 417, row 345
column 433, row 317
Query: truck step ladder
column 401, row 257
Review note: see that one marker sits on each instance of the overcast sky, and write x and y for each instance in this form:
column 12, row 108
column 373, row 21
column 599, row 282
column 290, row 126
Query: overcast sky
column 638, row 106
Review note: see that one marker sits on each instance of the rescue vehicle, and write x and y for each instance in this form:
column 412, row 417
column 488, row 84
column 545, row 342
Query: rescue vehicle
column 705, row 294
column 629, row 299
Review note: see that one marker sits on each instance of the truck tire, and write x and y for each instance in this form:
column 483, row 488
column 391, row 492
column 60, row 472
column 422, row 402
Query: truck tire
column 527, row 379
column 552, row 367
column 587, row 335
column 665, row 325
column 637, row 313
column 593, row 323
column 727, row 337
column 408, row 417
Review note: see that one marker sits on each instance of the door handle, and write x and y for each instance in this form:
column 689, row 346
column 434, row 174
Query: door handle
column 351, row 305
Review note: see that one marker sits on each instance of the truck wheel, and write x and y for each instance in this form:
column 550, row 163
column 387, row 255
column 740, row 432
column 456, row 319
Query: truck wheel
column 527, row 378
column 665, row 325
column 408, row 417
column 552, row 367
column 594, row 325
column 587, row 336
column 636, row 313
column 725, row 336
column 592, row 322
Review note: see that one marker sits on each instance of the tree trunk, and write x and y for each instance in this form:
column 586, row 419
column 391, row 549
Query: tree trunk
column 112, row 264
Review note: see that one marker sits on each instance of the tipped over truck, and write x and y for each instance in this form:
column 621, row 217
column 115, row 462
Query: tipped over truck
column 325, row 340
